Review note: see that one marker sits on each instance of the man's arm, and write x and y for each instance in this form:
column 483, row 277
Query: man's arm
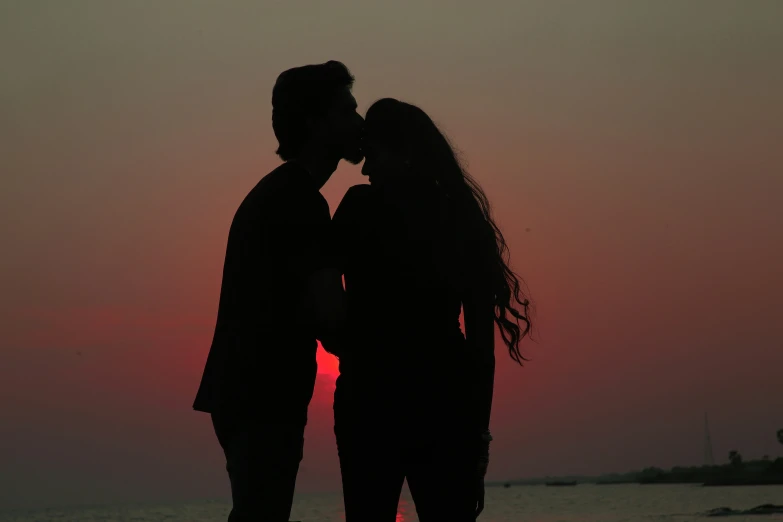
column 327, row 306
column 312, row 252
column 328, row 296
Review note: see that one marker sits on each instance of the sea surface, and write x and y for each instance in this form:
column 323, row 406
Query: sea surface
column 582, row 503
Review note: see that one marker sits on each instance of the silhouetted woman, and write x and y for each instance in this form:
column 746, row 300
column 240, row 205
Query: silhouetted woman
column 414, row 396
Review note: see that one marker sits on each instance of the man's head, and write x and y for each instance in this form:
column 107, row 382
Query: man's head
column 313, row 104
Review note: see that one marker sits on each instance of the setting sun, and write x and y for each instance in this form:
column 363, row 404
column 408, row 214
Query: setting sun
column 327, row 363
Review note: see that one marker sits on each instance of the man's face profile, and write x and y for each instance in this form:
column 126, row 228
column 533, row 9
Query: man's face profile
column 344, row 127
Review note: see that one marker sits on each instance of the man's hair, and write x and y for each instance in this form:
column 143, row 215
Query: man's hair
column 301, row 94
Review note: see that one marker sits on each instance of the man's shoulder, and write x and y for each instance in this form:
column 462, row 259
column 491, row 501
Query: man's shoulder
column 281, row 195
column 274, row 189
column 282, row 180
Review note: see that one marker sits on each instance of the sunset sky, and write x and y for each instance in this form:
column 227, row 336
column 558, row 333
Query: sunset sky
column 631, row 148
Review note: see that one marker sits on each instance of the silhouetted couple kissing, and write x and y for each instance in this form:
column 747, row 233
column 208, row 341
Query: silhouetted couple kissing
column 381, row 285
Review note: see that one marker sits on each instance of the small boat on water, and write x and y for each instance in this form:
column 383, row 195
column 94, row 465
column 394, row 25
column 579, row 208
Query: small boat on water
column 562, row 483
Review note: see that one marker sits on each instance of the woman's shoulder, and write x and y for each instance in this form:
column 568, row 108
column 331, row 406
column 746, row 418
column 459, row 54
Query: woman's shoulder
column 362, row 191
column 356, row 197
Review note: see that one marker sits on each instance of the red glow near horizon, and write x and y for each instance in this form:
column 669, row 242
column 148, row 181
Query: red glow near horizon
column 327, row 363
column 402, row 511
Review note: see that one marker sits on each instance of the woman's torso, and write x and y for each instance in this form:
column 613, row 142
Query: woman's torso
column 402, row 261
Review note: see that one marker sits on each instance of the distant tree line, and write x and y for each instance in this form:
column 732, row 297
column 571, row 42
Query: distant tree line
column 737, row 471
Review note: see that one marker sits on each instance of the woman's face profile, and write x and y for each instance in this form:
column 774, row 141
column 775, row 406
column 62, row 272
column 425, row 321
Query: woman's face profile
column 381, row 163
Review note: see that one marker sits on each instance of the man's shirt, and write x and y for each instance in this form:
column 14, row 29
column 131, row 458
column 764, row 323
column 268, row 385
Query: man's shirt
column 262, row 358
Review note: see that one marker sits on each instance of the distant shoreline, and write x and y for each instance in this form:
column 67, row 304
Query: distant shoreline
column 750, row 473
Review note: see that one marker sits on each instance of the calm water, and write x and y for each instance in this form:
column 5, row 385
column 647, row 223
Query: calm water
column 584, row 503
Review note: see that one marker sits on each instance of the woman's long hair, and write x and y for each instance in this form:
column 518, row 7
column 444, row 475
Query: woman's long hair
column 410, row 132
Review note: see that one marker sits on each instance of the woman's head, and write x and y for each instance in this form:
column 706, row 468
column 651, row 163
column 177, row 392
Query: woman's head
column 401, row 142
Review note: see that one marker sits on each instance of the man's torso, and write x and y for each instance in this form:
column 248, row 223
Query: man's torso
column 262, row 356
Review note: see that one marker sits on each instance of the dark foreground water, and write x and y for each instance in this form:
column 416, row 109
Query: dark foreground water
column 583, row 503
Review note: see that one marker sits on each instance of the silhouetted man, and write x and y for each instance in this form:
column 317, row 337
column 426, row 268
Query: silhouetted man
column 276, row 291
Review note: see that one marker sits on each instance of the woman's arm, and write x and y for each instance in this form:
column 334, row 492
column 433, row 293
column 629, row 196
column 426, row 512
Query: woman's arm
column 480, row 336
